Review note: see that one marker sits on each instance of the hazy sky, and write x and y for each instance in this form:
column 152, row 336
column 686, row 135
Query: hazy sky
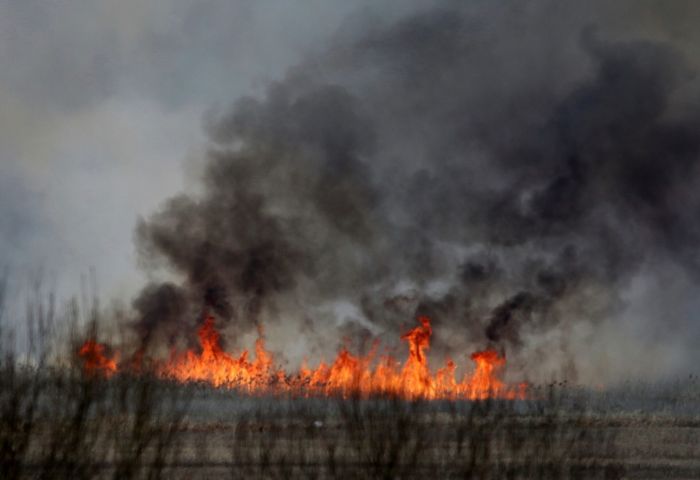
column 100, row 111
column 102, row 105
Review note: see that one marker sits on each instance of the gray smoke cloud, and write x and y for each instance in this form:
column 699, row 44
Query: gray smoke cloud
column 512, row 185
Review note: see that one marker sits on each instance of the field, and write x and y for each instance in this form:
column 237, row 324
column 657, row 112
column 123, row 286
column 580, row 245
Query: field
column 58, row 420
column 550, row 438
column 73, row 426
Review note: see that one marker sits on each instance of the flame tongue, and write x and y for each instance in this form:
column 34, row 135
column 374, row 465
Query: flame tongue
column 215, row 366
column 484, row 380
column 415, row 376
column 347, row 375
column 95, row 361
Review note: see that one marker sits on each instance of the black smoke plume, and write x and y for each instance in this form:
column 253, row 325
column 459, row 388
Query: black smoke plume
column 436, row 166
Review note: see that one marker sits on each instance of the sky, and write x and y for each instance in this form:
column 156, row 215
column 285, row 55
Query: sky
column 101, row 105
column 105, row 112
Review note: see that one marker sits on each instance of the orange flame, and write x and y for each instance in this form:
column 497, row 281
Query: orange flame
column 350, row 375
column 95, row 362
column 347, row 375
column 217, row 367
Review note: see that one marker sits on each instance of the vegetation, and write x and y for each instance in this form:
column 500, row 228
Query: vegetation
column 57, row 421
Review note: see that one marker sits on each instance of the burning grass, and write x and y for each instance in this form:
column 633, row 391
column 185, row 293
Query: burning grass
column 85, row 419
column 348, row 375
column 81, row 426
column 69, row 424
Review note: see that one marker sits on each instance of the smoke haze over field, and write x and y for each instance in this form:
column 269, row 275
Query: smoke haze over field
column 525, row 174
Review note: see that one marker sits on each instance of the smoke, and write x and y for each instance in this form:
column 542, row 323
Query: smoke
column 507, row 187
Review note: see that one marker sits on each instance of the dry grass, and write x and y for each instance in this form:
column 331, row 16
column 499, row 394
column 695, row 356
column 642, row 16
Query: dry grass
column 57, row 422
column 392, row 438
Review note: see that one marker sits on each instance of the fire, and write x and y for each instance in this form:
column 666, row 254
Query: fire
column 347, row 375
column 215, row 366
column 350, row 375
column 95, row 362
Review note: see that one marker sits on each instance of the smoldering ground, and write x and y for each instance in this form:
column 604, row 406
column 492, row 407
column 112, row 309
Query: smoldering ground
column 512, row 186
